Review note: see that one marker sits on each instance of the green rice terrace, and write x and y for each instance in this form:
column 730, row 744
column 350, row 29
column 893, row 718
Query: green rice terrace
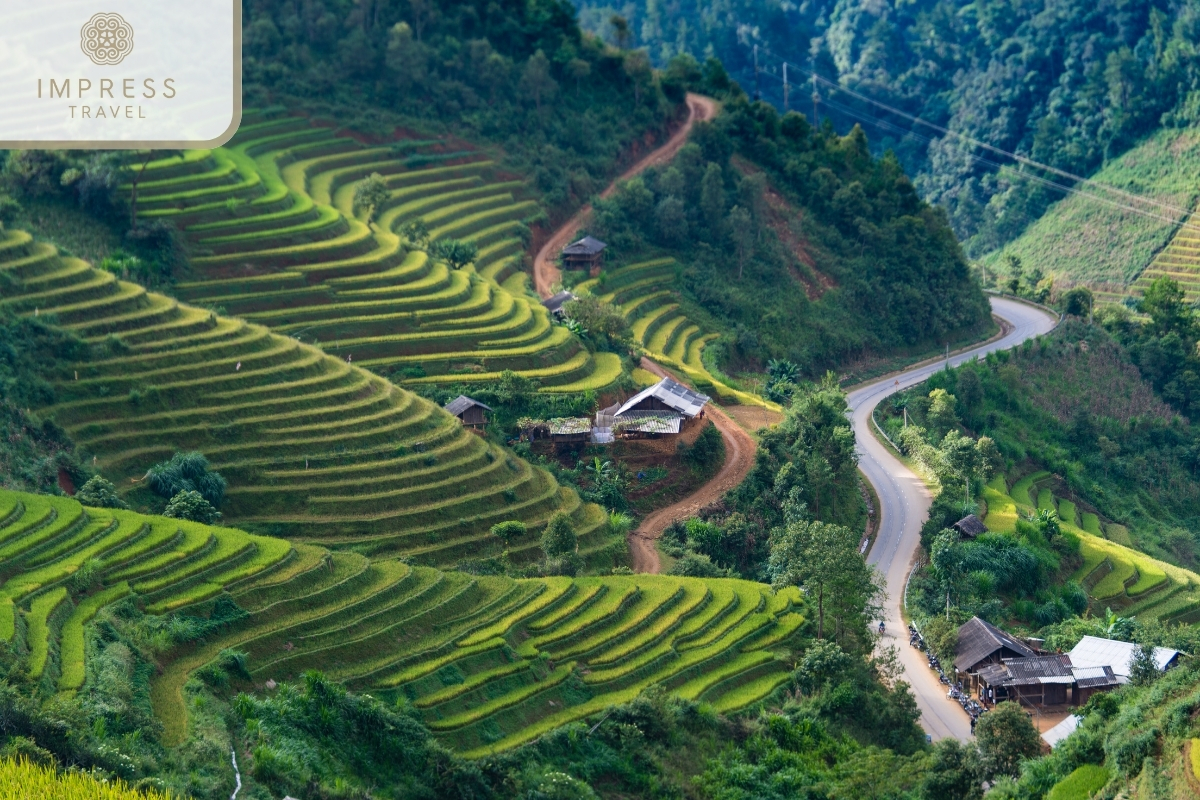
column 1113, row 574
column 310, row 444
column 490, row 662
column 1179, row 261
column 644, row 293
column 275, row 240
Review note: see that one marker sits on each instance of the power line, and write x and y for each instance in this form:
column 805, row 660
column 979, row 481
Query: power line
column 1181, row 220
column 816, row 78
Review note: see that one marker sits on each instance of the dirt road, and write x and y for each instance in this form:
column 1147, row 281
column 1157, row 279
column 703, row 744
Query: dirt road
column 739, row 459
column 545, row 272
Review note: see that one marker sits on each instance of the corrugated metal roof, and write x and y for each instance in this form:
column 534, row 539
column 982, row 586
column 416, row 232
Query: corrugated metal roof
column 1092, row 651
column 556, row 302
column 461, row 403
column 1062, row 730
column 569, row 426
column 672, row 394
column 978, row 639
column 650, row 421
column 587, row 246
column 1092, row 677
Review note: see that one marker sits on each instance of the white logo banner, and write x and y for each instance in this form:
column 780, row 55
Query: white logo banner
column 119, row 73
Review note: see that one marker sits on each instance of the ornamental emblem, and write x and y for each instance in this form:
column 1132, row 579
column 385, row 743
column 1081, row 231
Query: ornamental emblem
column 106, row 39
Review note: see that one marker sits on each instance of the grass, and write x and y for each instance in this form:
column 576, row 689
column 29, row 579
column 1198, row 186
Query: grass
column 1021, row 489
column 1091, row 523
column 7, row 618
column 71, row 648
column 1081, row 784
column 1045, row 501
column 23, row 779
column 750, row 693
column 1001, row 509
column 1066, row 512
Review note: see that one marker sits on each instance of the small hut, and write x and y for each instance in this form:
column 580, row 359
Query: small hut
column 587, row 253
column 970, row 526
column 569, row 430
column 469, row 411
column 555, row 304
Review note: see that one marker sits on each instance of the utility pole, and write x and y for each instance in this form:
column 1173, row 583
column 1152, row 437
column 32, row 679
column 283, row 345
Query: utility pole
column 785, row 88
column 812, row 67
column 757, row 88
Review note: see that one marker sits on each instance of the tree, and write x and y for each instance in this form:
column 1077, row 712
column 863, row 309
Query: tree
column 946, row 559
column 741, row 232
column 507, row 531
column 407, row 58
column 941, row 410
column 637, row 69
column 578, row 69
column 370, row 193
column 970, row 389
column 712, row 199
column 536, row 81
column 454, row 252
column 954, row 773
column 620, row 27
column 1167, row 306
column 941, row 635
column 824, row 559
column 1006, row 737
column 417, row 234
column 147, row 157
column 1078, row 302
column 190, row 472
column 191, row 505
column 597, row 317
column 1143, row 670
column 559, row 538
column 99, row 492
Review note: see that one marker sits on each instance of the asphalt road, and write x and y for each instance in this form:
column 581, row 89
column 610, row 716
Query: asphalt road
column 904, row 506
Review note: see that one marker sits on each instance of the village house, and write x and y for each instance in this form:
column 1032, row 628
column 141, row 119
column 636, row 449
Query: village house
column 587, row 253
column 469, row 411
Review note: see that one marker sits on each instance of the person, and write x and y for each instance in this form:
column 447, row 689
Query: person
column 881, row 627
column 972, row 726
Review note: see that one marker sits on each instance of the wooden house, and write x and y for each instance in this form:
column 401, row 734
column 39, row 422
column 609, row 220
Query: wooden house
column 981, row 644
column 664, row 408
column 555, row 303
column 470, row 412
column 1037, row 680
column 970, row 526
column 569, row 431
column 587, row 253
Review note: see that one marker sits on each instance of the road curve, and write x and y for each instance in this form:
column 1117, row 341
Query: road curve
column 545, row 271
column 904, row 506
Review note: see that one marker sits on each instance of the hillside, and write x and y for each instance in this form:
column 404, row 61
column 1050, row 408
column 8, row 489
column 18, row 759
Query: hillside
column 1079, row 240
column 1069, row 84
column 488, row 662
column 311, row 444
column 275, row 239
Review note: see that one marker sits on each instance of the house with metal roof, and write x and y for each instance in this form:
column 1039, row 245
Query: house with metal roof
column 981, row 643
column 666, row 395
column 586, row 253
column 555, row 303
column 1093, row 651
column 469, row 411
column 1037, row 680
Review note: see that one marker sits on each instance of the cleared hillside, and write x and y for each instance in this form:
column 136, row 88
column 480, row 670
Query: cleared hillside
column 1102, row 245
column 313, row 447
column 489, row 662
column 275, row 239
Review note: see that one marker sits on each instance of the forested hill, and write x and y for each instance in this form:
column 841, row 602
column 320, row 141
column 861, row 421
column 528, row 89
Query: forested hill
column 518, row 74
column 1068, row 82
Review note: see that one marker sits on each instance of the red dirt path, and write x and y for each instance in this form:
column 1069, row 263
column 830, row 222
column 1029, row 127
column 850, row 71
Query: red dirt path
column 545, row 272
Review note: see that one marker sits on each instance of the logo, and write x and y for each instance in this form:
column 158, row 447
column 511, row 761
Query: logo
column 106, row 39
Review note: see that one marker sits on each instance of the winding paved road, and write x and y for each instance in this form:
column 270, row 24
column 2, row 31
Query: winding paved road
column 904, row 506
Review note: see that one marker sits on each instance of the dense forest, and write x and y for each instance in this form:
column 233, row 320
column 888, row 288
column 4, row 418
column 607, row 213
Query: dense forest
column 1070, row 84
column 795, row 239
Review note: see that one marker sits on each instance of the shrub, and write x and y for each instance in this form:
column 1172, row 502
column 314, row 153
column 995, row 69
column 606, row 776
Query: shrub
column 191, row 505
column 507, row 531
column 187, row 472
column 1006, row 737
column 697, row 565
column 455, row 253
column 708, row 450
column 99, row 492
column 370, row 193
column 559, row 538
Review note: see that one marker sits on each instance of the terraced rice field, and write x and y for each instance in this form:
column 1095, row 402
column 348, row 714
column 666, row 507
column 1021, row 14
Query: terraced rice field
column 1113, row 574
column 314, row 448
column 490, row 662
column 275, row 240
column 1179, row 261
column 645, row 293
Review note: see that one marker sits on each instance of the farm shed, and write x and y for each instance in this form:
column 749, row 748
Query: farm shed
column 981, row 644
column 665, row 396
column 469, row 411
column 587, row 253
column 555, row 303
column 1093, row 651
column 565, row 430
column 1038, row 680
column 970, row 526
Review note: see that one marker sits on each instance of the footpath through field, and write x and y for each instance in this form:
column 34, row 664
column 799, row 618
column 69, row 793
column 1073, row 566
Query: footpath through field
column 545, row 273
column 904, row 505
